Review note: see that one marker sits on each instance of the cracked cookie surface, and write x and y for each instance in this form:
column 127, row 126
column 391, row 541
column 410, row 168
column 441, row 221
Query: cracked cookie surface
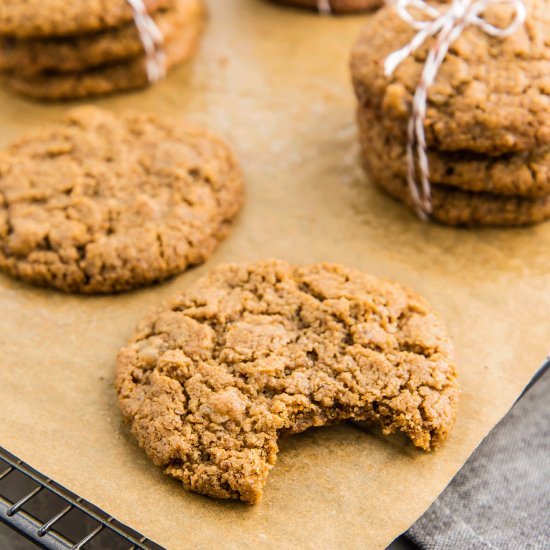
column 255, row 351
column 104, row 203
column 490, row 96
column 75, row 53
column 32, row 18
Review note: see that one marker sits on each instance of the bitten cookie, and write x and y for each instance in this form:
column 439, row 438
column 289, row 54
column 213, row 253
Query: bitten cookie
column 253, row 352
column 336, row 6
column 30, row 57
column 105, row 203
column 491, row 95
column 32, row 18
column 127, row 75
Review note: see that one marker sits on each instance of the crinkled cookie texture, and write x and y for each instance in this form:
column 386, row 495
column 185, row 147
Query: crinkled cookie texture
column 32, row 18
column 491, row 95
column 336, row 6
column 253, row 352
column 106, row 79
column 452, row 205
column 103, row 202
column 520, row 175
column 33, row 56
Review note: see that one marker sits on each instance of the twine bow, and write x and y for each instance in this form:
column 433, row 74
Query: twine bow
column 152, row 40
column 446, row 26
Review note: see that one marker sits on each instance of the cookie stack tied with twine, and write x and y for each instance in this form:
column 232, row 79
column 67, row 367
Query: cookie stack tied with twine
column 454, row 108
column 56, row 50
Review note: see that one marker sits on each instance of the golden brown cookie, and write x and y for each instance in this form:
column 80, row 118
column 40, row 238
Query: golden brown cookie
column 522, row 174
column 462, row 208
column 252, row 352
column 491, row 95
column 336, row 6
column 453, row 206
column 106, row 79
column 105, row 203
column 33, row 56
column 32, row 18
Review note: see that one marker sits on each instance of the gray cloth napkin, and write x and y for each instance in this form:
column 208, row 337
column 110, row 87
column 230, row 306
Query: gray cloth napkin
column 500, row 499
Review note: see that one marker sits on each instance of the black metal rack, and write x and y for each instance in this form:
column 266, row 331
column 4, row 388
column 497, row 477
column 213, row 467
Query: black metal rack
column 27, row 499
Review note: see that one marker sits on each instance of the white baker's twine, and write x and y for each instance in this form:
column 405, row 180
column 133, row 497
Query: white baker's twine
column 152, row 40
column 324, row 7
column 447, row 26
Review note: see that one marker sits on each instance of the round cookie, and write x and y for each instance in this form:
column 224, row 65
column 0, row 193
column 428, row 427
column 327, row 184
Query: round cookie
column 462, row 208
column 104, row 203
column 453, row 206
column 107, row 79
column 336, row 6
column 490, row 96
column 521, row 175
column 33, row 18
column 29, row 57
column 252, row 352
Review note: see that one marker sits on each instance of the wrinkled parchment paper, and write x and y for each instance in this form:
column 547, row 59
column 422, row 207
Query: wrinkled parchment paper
column 274, row 82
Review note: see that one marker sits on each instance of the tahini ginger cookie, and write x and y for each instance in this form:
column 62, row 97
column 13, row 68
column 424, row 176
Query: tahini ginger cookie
column 32, row 18
column 103, row 202
column 525, row 174
column 253, row 352
column 467, row 190
column 121, row 76
column 491, row 94
column 35, row 56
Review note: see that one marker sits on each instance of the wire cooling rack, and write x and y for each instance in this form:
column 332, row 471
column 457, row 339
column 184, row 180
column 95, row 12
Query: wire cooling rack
column 52, row 517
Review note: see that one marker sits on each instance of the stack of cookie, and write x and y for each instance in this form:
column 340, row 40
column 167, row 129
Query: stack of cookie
column 335, row 6
column 55, row 50
column 103, row 202
column 487, row 123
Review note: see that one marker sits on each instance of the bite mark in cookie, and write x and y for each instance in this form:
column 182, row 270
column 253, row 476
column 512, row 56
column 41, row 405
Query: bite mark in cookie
column 252, row 352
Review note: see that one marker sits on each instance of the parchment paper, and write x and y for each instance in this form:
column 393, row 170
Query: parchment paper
column 274, row 82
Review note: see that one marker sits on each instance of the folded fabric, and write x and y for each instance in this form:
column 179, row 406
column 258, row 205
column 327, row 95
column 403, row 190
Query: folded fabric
column 500, row 499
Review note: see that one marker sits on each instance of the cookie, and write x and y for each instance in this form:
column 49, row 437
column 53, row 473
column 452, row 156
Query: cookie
column 107, row 79
column 490, row 96
column 76, row 53
column 452, row 206
column 336, row 6
column 522, row 174
column 32, row 18
column 463, row 208
column 104, row 203
column 253, row 352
